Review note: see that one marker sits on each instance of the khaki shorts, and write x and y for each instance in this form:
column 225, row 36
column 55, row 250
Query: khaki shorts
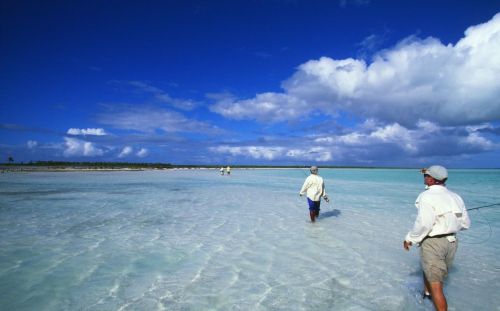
column 436, row 257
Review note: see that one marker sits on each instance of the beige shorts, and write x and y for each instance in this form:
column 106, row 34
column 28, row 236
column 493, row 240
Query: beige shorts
column 436, row 257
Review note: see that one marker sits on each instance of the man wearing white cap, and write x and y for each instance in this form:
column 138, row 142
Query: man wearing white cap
column 314, row 187
column 441, row 214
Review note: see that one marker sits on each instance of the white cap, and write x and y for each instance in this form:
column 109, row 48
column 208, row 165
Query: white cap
column 436, row 171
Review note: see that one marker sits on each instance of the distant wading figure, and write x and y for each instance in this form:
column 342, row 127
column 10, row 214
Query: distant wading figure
column 441, row 214
column 314, row 187
column 228, row 170
column 222, row 171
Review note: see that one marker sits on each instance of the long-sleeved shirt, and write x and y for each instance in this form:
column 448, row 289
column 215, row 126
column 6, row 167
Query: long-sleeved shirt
column 440, row 211
column 314, row 187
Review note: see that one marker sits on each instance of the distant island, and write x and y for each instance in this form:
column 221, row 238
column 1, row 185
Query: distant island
column 66, row 166
column 106, row 166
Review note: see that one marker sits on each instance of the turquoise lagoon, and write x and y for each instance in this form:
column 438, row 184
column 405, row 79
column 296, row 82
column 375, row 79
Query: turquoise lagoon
column 196, row 240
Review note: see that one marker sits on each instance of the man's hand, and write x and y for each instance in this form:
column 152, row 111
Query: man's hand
column 406, row 245
column 326, row 199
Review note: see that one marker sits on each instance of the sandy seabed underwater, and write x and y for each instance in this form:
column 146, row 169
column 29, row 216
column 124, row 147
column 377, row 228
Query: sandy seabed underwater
column 196, row 240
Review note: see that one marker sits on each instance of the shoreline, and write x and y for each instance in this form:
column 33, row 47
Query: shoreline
column 61, row 169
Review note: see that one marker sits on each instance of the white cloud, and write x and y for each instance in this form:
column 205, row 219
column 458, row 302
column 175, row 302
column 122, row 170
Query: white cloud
column 397, row 134
column 148, row 119
column 255, row 152
column 393, row 136
column 476, row 140
column 372, row 143
column 428, row 137
column 353, row 138
column 427, row 126
column 264, row 107
column 319, row 154
column 316, row 153
column 143, row 153
column 32, row 144
column 88, row 131
column 415, row 80
column 76, row 147
column 127, row 150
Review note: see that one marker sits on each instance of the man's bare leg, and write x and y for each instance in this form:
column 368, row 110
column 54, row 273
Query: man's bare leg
column 426, row 286
column 312, row 214
column 438, row 298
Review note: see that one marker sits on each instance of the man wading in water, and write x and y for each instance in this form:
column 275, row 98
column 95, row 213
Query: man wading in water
column 441, row 214
column 315, row 189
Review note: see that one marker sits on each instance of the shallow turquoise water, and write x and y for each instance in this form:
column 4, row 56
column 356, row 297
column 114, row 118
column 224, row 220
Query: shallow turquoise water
column 195, row 240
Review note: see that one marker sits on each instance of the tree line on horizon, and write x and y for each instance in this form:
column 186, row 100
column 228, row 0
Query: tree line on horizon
column 116, row 165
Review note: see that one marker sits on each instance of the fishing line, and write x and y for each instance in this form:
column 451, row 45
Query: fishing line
column 490, row 233
column 484, row 206
column 303, row 172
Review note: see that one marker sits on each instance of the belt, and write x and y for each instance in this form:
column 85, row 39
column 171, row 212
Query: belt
column 439, row 236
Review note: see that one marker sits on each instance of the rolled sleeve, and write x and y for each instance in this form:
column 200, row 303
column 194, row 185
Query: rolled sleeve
column 423, row 224
column 305, row 186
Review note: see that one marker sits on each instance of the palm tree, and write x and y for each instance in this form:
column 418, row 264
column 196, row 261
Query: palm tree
column 11, row 159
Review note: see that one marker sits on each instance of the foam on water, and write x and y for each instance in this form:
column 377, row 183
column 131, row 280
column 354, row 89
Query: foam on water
column 195, row 240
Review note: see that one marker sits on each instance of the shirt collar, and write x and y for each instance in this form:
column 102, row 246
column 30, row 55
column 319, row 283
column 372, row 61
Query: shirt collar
column 437, row 187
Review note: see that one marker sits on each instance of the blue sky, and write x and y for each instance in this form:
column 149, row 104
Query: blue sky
column 368, row 83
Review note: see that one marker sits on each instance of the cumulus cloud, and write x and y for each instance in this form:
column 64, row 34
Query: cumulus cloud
column 474, row 139
column 315, row 153
column 395, row 133
column 126, row 151
column 272, row 107
column 255, row 152
column 88, row 131
column 374, row 142
column 427, row 139
column 77, row 147
column 418, row 79
column 143, row 153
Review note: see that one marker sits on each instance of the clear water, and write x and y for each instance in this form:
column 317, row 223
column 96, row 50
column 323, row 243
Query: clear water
column 195, row 240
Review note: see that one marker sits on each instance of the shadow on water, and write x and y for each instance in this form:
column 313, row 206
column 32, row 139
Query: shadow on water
column 332, row 213
column 416, row 273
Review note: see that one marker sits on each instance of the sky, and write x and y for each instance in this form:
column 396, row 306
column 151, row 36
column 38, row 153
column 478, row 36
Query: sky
column 278, row 82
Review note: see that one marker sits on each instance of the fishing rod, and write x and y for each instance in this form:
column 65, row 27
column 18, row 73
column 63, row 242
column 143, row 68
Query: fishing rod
column 483, row 206
column 327, row 200
column 302, row 170
column 490, row 230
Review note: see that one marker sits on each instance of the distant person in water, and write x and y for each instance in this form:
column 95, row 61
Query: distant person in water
column 222, row 171
column 441, row 214
column 228, row 170
column 314, row 188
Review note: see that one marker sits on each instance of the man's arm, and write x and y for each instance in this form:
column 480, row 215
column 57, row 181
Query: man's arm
column 464, row 220
column 304, row 186
column 422, row 226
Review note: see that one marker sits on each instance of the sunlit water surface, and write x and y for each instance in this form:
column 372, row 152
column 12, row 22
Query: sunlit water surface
column 195, row 240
